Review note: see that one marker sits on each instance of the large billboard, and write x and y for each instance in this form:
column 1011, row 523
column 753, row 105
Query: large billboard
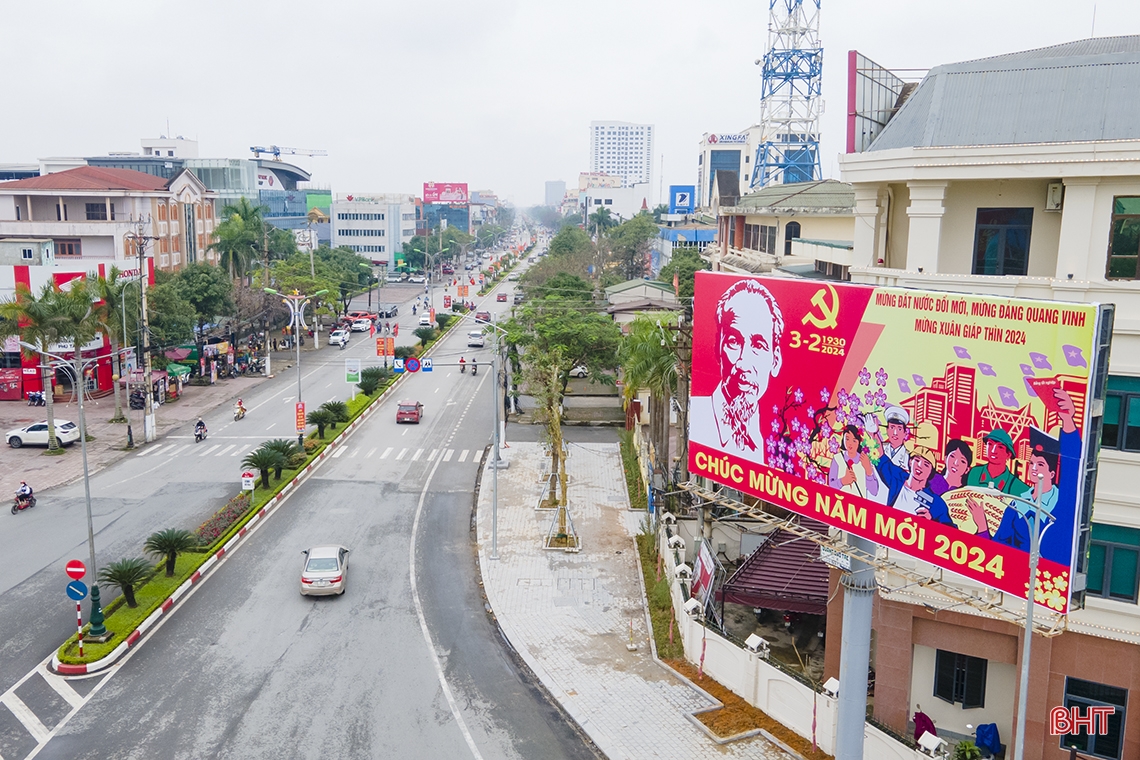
column 445, row 192
column 924, row 421
column 682, row 199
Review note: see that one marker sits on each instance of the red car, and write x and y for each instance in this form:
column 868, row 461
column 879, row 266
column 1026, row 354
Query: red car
column 501, row 298
column 482, row 316
column 409, row 411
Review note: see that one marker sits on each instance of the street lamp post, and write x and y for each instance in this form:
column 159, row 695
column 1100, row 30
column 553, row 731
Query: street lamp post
column 95, row 617
column 123, row 303
column 496, row 461
column 297, row 303
column 150, row 427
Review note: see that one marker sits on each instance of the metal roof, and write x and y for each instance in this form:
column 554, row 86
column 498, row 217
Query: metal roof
column 784, row 573
column 819, row 194
column 1076, row 92
column 90, row 178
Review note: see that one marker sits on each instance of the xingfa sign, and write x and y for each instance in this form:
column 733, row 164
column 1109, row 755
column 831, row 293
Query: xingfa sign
column 740, row 139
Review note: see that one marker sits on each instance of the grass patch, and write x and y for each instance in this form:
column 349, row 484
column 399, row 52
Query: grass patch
column 123, row 620
column 633, row 482
column 659, row 600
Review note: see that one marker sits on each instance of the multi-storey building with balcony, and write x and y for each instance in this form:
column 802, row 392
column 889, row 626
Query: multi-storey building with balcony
column 91, row 213
column 1017, row 175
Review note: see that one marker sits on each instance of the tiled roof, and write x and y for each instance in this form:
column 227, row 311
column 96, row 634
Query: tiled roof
column 785, row 573
column 89, row 178
column 827, row 193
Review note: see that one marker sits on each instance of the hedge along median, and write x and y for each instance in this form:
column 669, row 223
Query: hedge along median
column 223, row 530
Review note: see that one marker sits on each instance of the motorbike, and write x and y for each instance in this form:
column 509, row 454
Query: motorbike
column 462, row 368
column 199, row 435
column 239, row 412
column 138, row 399
column 474, row 369
column 343, row 344
column 19, row 504
column 36, row 398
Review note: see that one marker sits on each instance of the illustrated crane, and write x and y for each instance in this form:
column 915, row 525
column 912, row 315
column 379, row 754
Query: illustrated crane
column 277, row 150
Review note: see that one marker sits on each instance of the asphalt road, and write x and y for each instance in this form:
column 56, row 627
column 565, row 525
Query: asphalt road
column 249, row 668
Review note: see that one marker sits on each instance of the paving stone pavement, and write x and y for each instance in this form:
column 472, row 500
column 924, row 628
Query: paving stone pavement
column 569, row 615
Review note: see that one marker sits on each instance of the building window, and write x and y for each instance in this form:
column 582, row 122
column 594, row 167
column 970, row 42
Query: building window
column 1124, row 241
column 96, row 212
column 1001, row 241
column 1085, row 694
column 959, row 678
column 791, row 232
column 68, row 248
column 60, row 212
column 1114, row 562
column 28, row 254
column 1121, row 423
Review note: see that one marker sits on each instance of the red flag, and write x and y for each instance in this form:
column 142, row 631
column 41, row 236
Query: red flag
column 395, row 329
column 372, row 330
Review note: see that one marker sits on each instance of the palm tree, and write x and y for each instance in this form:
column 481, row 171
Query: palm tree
column 286, row 448
column 322, row 419
column 648, row 360
column 239, row 236
column 338, row 410
column 169, row 544
column 111, row 294
column 602, row 219
column 264, row 460
column 126, row 574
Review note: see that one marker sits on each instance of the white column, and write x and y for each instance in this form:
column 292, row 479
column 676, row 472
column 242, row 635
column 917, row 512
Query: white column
column 1077, row 257
column 925, row 213
column 867, row 211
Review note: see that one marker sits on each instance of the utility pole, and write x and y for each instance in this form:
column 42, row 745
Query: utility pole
column 150, row 427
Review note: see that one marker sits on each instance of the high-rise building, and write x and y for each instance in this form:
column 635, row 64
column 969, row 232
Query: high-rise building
column 555, row 192
column 623, row 149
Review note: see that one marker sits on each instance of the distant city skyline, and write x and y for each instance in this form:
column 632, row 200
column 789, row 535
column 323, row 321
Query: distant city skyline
column 510, row 87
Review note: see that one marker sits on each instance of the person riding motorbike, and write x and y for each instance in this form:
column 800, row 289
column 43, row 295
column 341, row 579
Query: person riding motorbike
column 462, row 365
column 199, row 430
column 239, row 410
column 23, row 493
column 474, row 367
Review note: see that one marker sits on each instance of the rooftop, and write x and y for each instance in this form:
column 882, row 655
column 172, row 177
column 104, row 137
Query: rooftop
column 1075, row 92
column 90, row 178
column 819, row 195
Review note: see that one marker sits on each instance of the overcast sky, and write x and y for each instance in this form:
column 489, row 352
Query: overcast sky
column 496, row 93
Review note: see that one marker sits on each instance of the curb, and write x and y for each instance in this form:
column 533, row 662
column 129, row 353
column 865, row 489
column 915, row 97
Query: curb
column 66, row 669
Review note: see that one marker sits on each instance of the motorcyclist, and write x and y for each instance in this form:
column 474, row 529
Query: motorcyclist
column 462, row 364
column 199, row 428
column 239, row 409
column 24, row 492
column 474, row 366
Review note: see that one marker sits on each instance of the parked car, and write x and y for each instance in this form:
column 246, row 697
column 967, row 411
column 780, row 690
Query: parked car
column 387, row 311
column 482, row 316
column 518, row 298
column 475, row 339
column 339, row 337
column 501, row 298
column 579, row 371
column 361, row 325
column 409, row 411
column 417, row 278
column 36, row 434
column 325, row 571
column 513, row 278
column 394, row 278
column 361, row 315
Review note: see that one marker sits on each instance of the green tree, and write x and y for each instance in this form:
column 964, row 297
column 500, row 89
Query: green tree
column 111, row 311
column 686, row 262
column 287, row 448
column 565, row 285
column 322, row 419
column 649, row 360
column 660, row 210
column 209, row 290
column 425, row 334
column 556, row 330
column 338, row 410
column 127, row 574
column 170, row 317
column 602, row 220
column 239, row 237
column 569, row 240
column 630, row 241
column 168, row 544
column 264, row 460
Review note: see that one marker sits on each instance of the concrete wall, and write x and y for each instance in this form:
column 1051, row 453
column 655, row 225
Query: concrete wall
column 1001, row 693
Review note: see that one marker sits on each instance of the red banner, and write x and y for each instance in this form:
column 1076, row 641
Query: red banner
column 300, row 416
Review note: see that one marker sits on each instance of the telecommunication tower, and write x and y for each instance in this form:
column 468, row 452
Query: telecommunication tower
column 790, row 95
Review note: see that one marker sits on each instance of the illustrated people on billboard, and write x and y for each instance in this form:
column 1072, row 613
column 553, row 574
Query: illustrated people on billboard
column 749, row 327
column 909, row 491
column 957, row 457
column 995, row 472
column 898, row 431
column 1052, row 468
column 851, row 468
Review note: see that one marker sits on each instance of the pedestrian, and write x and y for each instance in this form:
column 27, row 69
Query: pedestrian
column 275, row 344
column 301, row 337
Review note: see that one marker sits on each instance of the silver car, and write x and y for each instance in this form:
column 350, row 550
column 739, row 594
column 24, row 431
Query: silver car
column 325, row 571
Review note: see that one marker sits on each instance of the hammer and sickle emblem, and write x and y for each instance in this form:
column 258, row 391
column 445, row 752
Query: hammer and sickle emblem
column 819, row 300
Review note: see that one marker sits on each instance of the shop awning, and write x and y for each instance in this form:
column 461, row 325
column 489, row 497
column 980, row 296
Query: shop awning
column 784, row 573
column 178, row 370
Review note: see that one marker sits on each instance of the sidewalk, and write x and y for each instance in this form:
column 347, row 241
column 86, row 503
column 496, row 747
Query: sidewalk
column 568, row 615
column 44, row 472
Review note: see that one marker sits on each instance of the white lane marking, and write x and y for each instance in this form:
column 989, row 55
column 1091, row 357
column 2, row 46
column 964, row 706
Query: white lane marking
column 354, row 453
column 151, row 450
column 223, row 451
column 70, row 695
column 25, row 715
column 206, row 453
column 405, row 432
column 417, row 455
column 389, row 451
column 329, row 385
column 401, row 454
column 463, row 455
column 270, row 425
column 338, row 452
column 239, row 450
column 447, row 455
column 437, row 391
column 176, row 449
column 431, row 456
column 287, row 399
column 451, row 703
column 370, row 453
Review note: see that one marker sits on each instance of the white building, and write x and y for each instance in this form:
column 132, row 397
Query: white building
column 731, row 151
column 1019, row 175
column 374, row 225
column 624, row 149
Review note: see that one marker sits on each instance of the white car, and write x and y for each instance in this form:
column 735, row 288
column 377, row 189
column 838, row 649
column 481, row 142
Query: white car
column 579, row 371
column 425, row 321
column 417, row 278
column 513, row 278
column 339, row 338
column 475, row 339
column 325, row 571
column 361, row 325
column 394, row 278
column 36, row 434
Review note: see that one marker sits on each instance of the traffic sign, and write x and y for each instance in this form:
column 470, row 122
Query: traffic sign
column 247, row 480
column 77, row 590
column 397, row 365
column 75, row 569
column 412, row 364
column 425, row 365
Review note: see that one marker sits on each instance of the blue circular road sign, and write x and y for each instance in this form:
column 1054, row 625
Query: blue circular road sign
column 412, row 364
column 77, row 590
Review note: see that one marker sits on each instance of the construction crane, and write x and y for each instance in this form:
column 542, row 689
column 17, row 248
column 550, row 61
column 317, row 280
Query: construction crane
column 277, row 150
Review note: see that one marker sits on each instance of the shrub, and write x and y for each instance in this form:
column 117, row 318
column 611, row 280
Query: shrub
column 443, row 320
column 126, row 574
column 425, row 334
column 322, row 419
column 221, row 521
column 403, row 352
column 168, row 544
column 264, row 460
column 311, row 445
column 283, row 446
column 338, row 410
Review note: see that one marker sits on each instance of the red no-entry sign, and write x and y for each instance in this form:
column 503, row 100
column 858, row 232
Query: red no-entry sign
column 75, row 569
